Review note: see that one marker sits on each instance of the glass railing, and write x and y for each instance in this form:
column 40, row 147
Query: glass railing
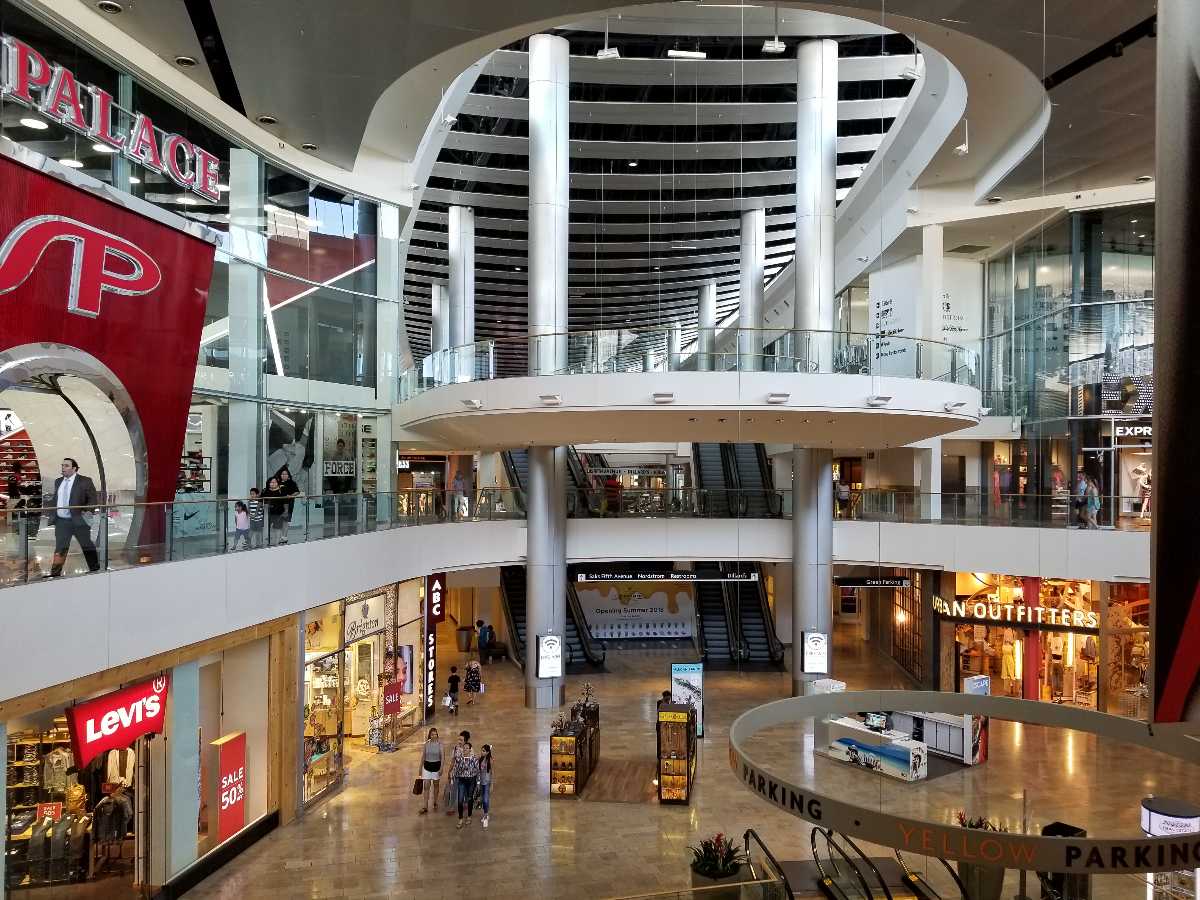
column 752, row 350
column 120, row 536
column 128, row 535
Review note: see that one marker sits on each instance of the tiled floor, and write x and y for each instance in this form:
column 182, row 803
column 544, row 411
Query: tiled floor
column 368, row 841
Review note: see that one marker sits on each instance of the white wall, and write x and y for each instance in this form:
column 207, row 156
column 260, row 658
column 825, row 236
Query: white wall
column 89, row 624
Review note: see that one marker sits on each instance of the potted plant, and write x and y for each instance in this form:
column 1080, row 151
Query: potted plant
column 981, row 882
column 716, row 860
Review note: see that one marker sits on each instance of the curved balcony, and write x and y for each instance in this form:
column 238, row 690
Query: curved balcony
column 813, row 388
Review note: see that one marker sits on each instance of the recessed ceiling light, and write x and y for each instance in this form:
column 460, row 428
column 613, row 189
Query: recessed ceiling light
column 308, row 146
column 133, row 179
column 35, row 124
column 104, row 148
column 267, row 120
column 71, row 163
column 185, row 62
column 110, row 6
column 1142, row 179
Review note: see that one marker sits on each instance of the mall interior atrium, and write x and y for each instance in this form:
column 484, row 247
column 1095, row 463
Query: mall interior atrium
column 683, row 449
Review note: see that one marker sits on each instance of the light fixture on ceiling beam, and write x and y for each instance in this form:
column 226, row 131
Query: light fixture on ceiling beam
column 965, row 147
column 878, row 400
column 686, row 54
column 608, row 52
column 774, row 46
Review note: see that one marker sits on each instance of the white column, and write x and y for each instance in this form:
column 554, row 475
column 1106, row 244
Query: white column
column 706, row 322
column 461, row 256
column 816, row 173
column 674, row 346
column 932, row 283
column 549, row 202
column 246, row 325
column 812, row 553
column 752, row 268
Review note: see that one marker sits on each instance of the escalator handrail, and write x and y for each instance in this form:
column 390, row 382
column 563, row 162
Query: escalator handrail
column 874, row 869
column 829, row 842
column 751, row 833
column 518, row 655
column 593, row 650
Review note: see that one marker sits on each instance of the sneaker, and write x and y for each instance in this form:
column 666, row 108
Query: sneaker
column 485, row 821
column 460, row 824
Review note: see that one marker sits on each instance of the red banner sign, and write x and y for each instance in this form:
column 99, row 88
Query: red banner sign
column 393, row 698
column 90, row 288
column 231, row 768
column 118, row 719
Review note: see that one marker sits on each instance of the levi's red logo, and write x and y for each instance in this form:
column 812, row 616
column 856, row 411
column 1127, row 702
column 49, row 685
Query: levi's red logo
column 117, row 719
column 100, row 262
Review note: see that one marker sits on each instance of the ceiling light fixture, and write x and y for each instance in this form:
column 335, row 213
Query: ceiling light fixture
column 774, row 46
column 35, row 124
column 185, row 62
column 608, row 52
column 686, row 54
column 71, row 163
column 110, row 6
column 267, row 120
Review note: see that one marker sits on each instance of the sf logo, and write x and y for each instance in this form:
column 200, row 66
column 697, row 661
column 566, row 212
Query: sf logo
column 100, row 262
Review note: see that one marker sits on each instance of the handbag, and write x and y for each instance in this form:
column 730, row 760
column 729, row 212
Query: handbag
column 418, row 787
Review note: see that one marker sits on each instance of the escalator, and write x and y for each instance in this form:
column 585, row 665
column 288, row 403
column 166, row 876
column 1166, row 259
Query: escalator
column 713, row 480
column 512, row 593
column 755, row 483
column 752, row 615
column 718, row 641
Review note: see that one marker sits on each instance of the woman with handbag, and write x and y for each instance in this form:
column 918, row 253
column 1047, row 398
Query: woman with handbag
column 431, row 769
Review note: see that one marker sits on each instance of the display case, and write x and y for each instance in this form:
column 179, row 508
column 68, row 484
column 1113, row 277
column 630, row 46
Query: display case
column 574, row 751
column 676, row 752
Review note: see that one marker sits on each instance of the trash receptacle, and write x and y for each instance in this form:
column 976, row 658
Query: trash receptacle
column 463, row 636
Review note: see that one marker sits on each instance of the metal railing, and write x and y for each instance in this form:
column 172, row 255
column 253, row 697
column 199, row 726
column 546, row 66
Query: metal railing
column 622, row 351
column 125, row 535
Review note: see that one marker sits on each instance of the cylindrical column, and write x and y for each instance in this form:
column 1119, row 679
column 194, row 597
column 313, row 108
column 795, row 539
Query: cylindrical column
column 706, row 321
column 812, row 555
column 549, row 201
column 461, row 254
column 439, row 337
column 816, row 183
column 674, row 346
column 546, row 500
column 1175, row 571
column 752, row 266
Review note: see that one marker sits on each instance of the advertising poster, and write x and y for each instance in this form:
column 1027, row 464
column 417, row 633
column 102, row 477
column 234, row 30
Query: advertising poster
column 687, row 686
column 404, row 675
column 639, row 609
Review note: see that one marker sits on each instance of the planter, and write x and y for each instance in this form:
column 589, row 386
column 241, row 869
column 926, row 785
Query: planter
column 981, row 882
column 732, row 882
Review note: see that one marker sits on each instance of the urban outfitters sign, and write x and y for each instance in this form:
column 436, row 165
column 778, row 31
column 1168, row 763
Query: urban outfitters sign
column 28, row 78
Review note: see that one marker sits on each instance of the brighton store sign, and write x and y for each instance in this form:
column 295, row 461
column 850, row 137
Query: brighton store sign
column 28, row 78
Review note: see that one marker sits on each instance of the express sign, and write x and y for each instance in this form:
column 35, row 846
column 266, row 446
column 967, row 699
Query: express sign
column 29, row 79
column 117, row 719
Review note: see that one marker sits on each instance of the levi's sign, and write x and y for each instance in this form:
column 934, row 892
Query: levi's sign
column 117, row 719
column 28, row 78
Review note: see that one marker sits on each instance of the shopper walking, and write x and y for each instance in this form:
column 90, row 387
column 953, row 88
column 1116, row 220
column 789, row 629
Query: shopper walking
column 254, row 506
column 74, row 496
column 474, row 682
column 277, row 513
column 451, row 798
column 452, row 685
column 431, row 769
column 289, row 490
column 466, row 772
column 241, row 526
column 485, row 783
